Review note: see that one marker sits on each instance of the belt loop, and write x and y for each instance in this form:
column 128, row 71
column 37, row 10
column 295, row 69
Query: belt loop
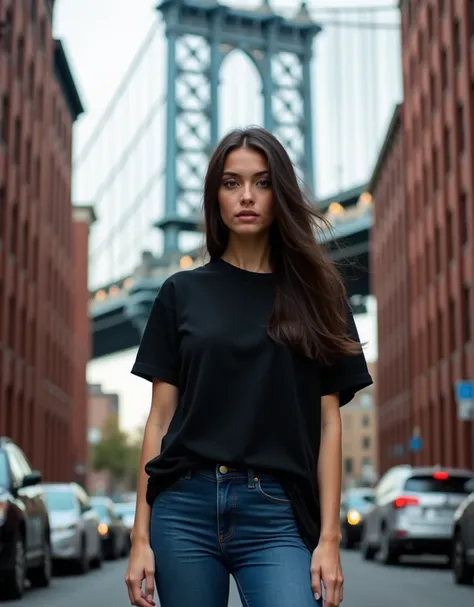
column 251, row 478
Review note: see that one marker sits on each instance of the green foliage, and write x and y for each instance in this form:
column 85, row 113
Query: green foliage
column 116, row 453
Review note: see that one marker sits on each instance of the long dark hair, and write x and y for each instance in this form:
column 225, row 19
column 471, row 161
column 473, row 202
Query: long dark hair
column 310, row 312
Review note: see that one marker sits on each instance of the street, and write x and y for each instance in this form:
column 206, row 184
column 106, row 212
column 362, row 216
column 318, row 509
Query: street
column 367, row 585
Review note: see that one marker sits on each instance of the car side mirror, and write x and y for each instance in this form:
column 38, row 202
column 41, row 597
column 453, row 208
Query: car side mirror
column 31, row 479
column 469, row 486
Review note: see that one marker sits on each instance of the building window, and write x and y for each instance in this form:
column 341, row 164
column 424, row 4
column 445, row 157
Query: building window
column 33, row 10
column 449, row 234
column 348, row 465
column 461, row 134
column 452, row 325
column 17, row 141
column 31, row 79
column 365, row 400
column 4, row 117
column 2, row 212
column 366, row 442
column 11, row 322
column 43, row 33
column 464, row 212
column 20, row 57
column 447, row 149
column 437, row 251
column 457, row 42
column 434, row 101
column 365, row 421
column 430, row 22
column 434, row 169
column 467, row 313
column 440, row 334
column 28, row 161
column 14, row 230
column 444, row 69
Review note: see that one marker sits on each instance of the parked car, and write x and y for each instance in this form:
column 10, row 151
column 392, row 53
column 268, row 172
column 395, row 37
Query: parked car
column 25, row 542
column 126, row 512
column 355, row 504
column 463, row 539
column 75, row 537
column 111, row 528
column 414, row 512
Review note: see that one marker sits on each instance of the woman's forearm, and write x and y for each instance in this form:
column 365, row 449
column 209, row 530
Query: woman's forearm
column 330, row 469
column 152, row 438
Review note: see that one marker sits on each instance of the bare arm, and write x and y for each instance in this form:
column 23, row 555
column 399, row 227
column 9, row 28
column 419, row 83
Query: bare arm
column 330, row 469
column 326, row 561
column 163, row 406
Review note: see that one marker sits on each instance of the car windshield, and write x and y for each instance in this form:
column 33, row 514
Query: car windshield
column 361, row 501
column 59, row 501
column 431, row 484
column 4, row 475
column 100, row 509
column 125, row 509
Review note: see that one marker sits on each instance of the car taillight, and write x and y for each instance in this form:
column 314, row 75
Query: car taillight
column 403, row 502
column 440, row 476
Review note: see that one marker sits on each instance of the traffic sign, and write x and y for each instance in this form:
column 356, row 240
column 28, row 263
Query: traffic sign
column 464, row 390
column 416, row 443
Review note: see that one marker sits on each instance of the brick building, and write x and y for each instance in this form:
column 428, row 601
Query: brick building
column 437, row 129
column 38, row 105
column 389, row 250
column 359, row 436
column 83, row 217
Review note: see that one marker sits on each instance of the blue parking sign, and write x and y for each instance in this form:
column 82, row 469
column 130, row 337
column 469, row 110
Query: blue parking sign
column 465, row 399
column 465, row 390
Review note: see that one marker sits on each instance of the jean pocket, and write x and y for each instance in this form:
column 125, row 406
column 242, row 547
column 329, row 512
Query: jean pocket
column 272, row 490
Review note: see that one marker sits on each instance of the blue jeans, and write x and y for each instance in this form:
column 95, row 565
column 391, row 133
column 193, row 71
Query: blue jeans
column 214, row 523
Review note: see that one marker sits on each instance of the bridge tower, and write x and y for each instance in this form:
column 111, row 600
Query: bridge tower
column 200, row 34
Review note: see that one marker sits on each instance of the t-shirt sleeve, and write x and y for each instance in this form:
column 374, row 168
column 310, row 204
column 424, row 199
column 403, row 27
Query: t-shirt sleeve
column 158, row 353
column 348, row 374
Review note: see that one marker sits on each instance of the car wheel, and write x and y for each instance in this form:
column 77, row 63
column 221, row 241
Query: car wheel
column 83, row 560
column 99, row 559
column 41, row 576
column 463, row 573
column 388, row 555
column 12, row 585
column 366, row 550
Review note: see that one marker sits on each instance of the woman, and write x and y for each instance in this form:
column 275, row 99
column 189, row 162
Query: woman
column 251, row 357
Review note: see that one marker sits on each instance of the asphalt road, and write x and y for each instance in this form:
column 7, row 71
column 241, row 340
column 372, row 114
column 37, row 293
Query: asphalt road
column 367, row 585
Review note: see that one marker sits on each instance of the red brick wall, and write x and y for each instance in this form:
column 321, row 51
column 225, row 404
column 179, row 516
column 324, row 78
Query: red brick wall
column 438, row 234
column 389, row 262
column 36, row 256
column 438, row 112
column 83, row 218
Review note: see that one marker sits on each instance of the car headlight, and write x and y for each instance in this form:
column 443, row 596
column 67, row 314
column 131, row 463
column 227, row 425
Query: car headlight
column 353, row 517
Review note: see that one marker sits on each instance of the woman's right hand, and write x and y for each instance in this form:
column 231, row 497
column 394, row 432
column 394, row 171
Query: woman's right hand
column 141, row 566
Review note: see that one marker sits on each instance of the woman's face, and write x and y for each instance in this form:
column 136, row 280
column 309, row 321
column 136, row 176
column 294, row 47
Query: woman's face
column 245, row 193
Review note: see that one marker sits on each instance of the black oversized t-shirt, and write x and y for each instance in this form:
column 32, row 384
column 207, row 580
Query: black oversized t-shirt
column 244, row 400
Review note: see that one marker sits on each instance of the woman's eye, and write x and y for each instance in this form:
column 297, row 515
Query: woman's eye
column 264, row 183
column 230, row 183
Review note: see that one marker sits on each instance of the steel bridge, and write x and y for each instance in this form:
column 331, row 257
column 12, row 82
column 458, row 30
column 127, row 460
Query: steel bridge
column 143, row 166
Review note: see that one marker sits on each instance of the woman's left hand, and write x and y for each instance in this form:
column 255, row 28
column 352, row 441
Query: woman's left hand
column 326, row 569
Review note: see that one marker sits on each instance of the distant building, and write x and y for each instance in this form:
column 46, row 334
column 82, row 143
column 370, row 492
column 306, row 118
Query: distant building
column 101, row 406
column 423, row 242
column 38, row 293
column 359, row 437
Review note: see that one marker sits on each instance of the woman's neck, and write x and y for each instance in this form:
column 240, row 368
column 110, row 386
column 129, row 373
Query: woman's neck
column 250, row 256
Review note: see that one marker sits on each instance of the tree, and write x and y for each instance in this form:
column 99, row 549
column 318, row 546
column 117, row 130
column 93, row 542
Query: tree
column 112, row 452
